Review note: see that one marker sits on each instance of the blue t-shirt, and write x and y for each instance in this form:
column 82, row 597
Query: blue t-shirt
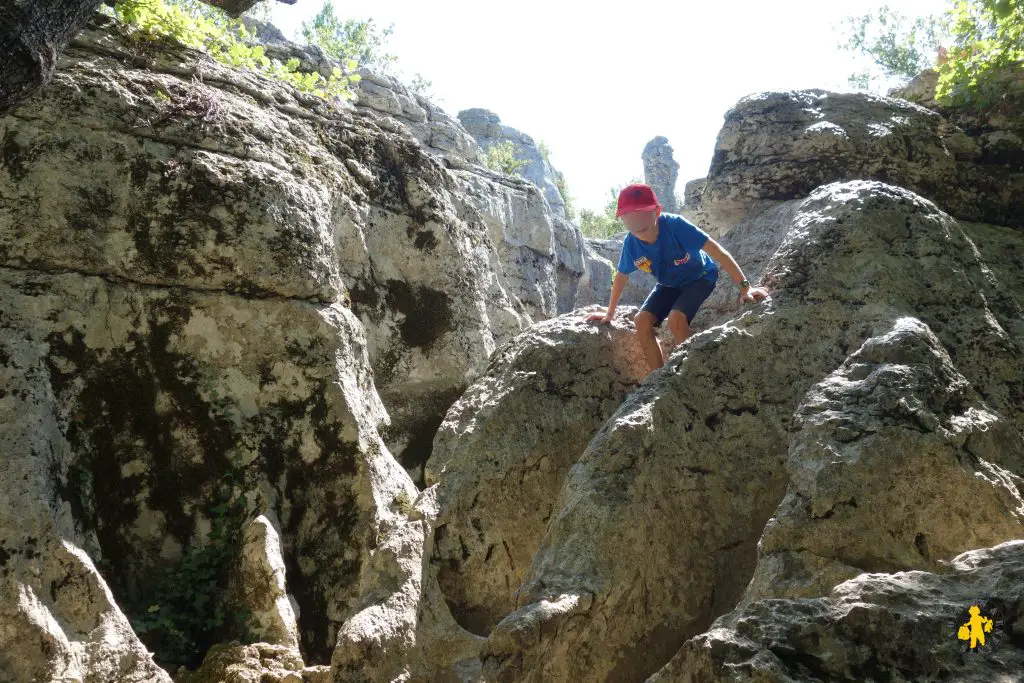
column 676, row 258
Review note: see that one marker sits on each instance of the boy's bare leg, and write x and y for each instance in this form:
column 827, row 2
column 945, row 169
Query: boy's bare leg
column 644, row 322
column 679, row 326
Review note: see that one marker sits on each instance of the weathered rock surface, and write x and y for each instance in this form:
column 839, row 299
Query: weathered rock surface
column 896, row 465
column 507, row 445
column 256, row 663
column 176, row 279
column 487, row 129
column 261, row 586
column 900, row 626
column 540, row 257
column 780, row 146
column 997, row 125
column 403, row 629
column 693, row 463
column 661, row 171
column 440, row 133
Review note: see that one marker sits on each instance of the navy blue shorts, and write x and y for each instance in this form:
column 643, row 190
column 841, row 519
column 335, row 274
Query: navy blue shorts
column 688, row 298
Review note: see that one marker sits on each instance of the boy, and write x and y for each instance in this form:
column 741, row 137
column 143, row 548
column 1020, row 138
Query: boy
column 683, row 259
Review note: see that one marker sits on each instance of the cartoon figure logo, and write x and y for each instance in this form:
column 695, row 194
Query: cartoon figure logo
column 643, row 263
column 975, row 628
column 681, row 261
column 979, row 628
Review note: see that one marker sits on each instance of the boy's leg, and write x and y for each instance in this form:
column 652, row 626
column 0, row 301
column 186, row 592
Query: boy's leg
column 645, row 323
column 686, row 306
column 653, row 311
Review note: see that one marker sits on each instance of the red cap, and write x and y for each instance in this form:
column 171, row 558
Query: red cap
column 638, row 197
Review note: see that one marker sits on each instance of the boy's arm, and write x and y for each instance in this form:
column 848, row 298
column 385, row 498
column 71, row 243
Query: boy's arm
column 618, row 284
column 718, row 252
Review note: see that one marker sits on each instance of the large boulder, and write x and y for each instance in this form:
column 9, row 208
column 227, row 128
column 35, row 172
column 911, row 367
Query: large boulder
column 897, row 464
column 507, row 444
column 693, row 464
column 878, row 626
column 781, row 145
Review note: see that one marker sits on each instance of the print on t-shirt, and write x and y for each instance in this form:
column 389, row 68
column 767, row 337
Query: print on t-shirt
column 675, row 258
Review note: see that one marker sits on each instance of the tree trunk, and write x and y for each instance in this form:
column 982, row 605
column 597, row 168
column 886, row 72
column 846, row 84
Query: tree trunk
column 32, row 33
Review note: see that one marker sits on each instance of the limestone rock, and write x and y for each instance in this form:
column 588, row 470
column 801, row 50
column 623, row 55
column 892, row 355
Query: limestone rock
column 440, row 133
column 693, row 463
column 779, row 146
column 690, row 209
column 997, row 124
column 900, row 626
column 261, row 585
column 403, row 629
column 539, row 257
column 508, row 443
column 58, row 617
column 897, row 465
column 184, row 284
column 256, row 663
column 487, row 129
column 661, row 171
column 353, row 212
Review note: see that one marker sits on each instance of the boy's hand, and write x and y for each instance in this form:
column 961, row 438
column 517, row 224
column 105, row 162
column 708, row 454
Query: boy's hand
column 602, row 318
column 754, row 294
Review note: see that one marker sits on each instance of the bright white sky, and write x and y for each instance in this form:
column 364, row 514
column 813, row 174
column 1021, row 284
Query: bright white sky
column 597, row 81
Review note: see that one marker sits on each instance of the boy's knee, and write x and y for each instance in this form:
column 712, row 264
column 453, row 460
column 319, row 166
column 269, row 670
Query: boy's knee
column 678, row 319
column 644, row 322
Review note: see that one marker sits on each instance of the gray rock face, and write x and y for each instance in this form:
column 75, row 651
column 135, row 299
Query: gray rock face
column 261, row 586
column 507, row 444
column 780, row 146
column 693, row 464
column 897, row 412
column 998, row 127
column 540, row 257
column 439, row 132
column 900, row 626
column 487, row 129
column 214, row 284
column 661, row 172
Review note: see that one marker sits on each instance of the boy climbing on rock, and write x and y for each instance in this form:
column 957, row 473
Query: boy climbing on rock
column 682, row 257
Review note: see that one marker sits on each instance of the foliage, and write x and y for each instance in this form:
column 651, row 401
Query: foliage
column 604, row 224
column 353, row 40
column 227, row 40
column 501, row 157
column 899, row 47
column 986, row 39
column 563, row 189
column 545, row 151
column 594, row 224
column 186, row 611
column 403, row 503
column 421, row 86
column 987, row 42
